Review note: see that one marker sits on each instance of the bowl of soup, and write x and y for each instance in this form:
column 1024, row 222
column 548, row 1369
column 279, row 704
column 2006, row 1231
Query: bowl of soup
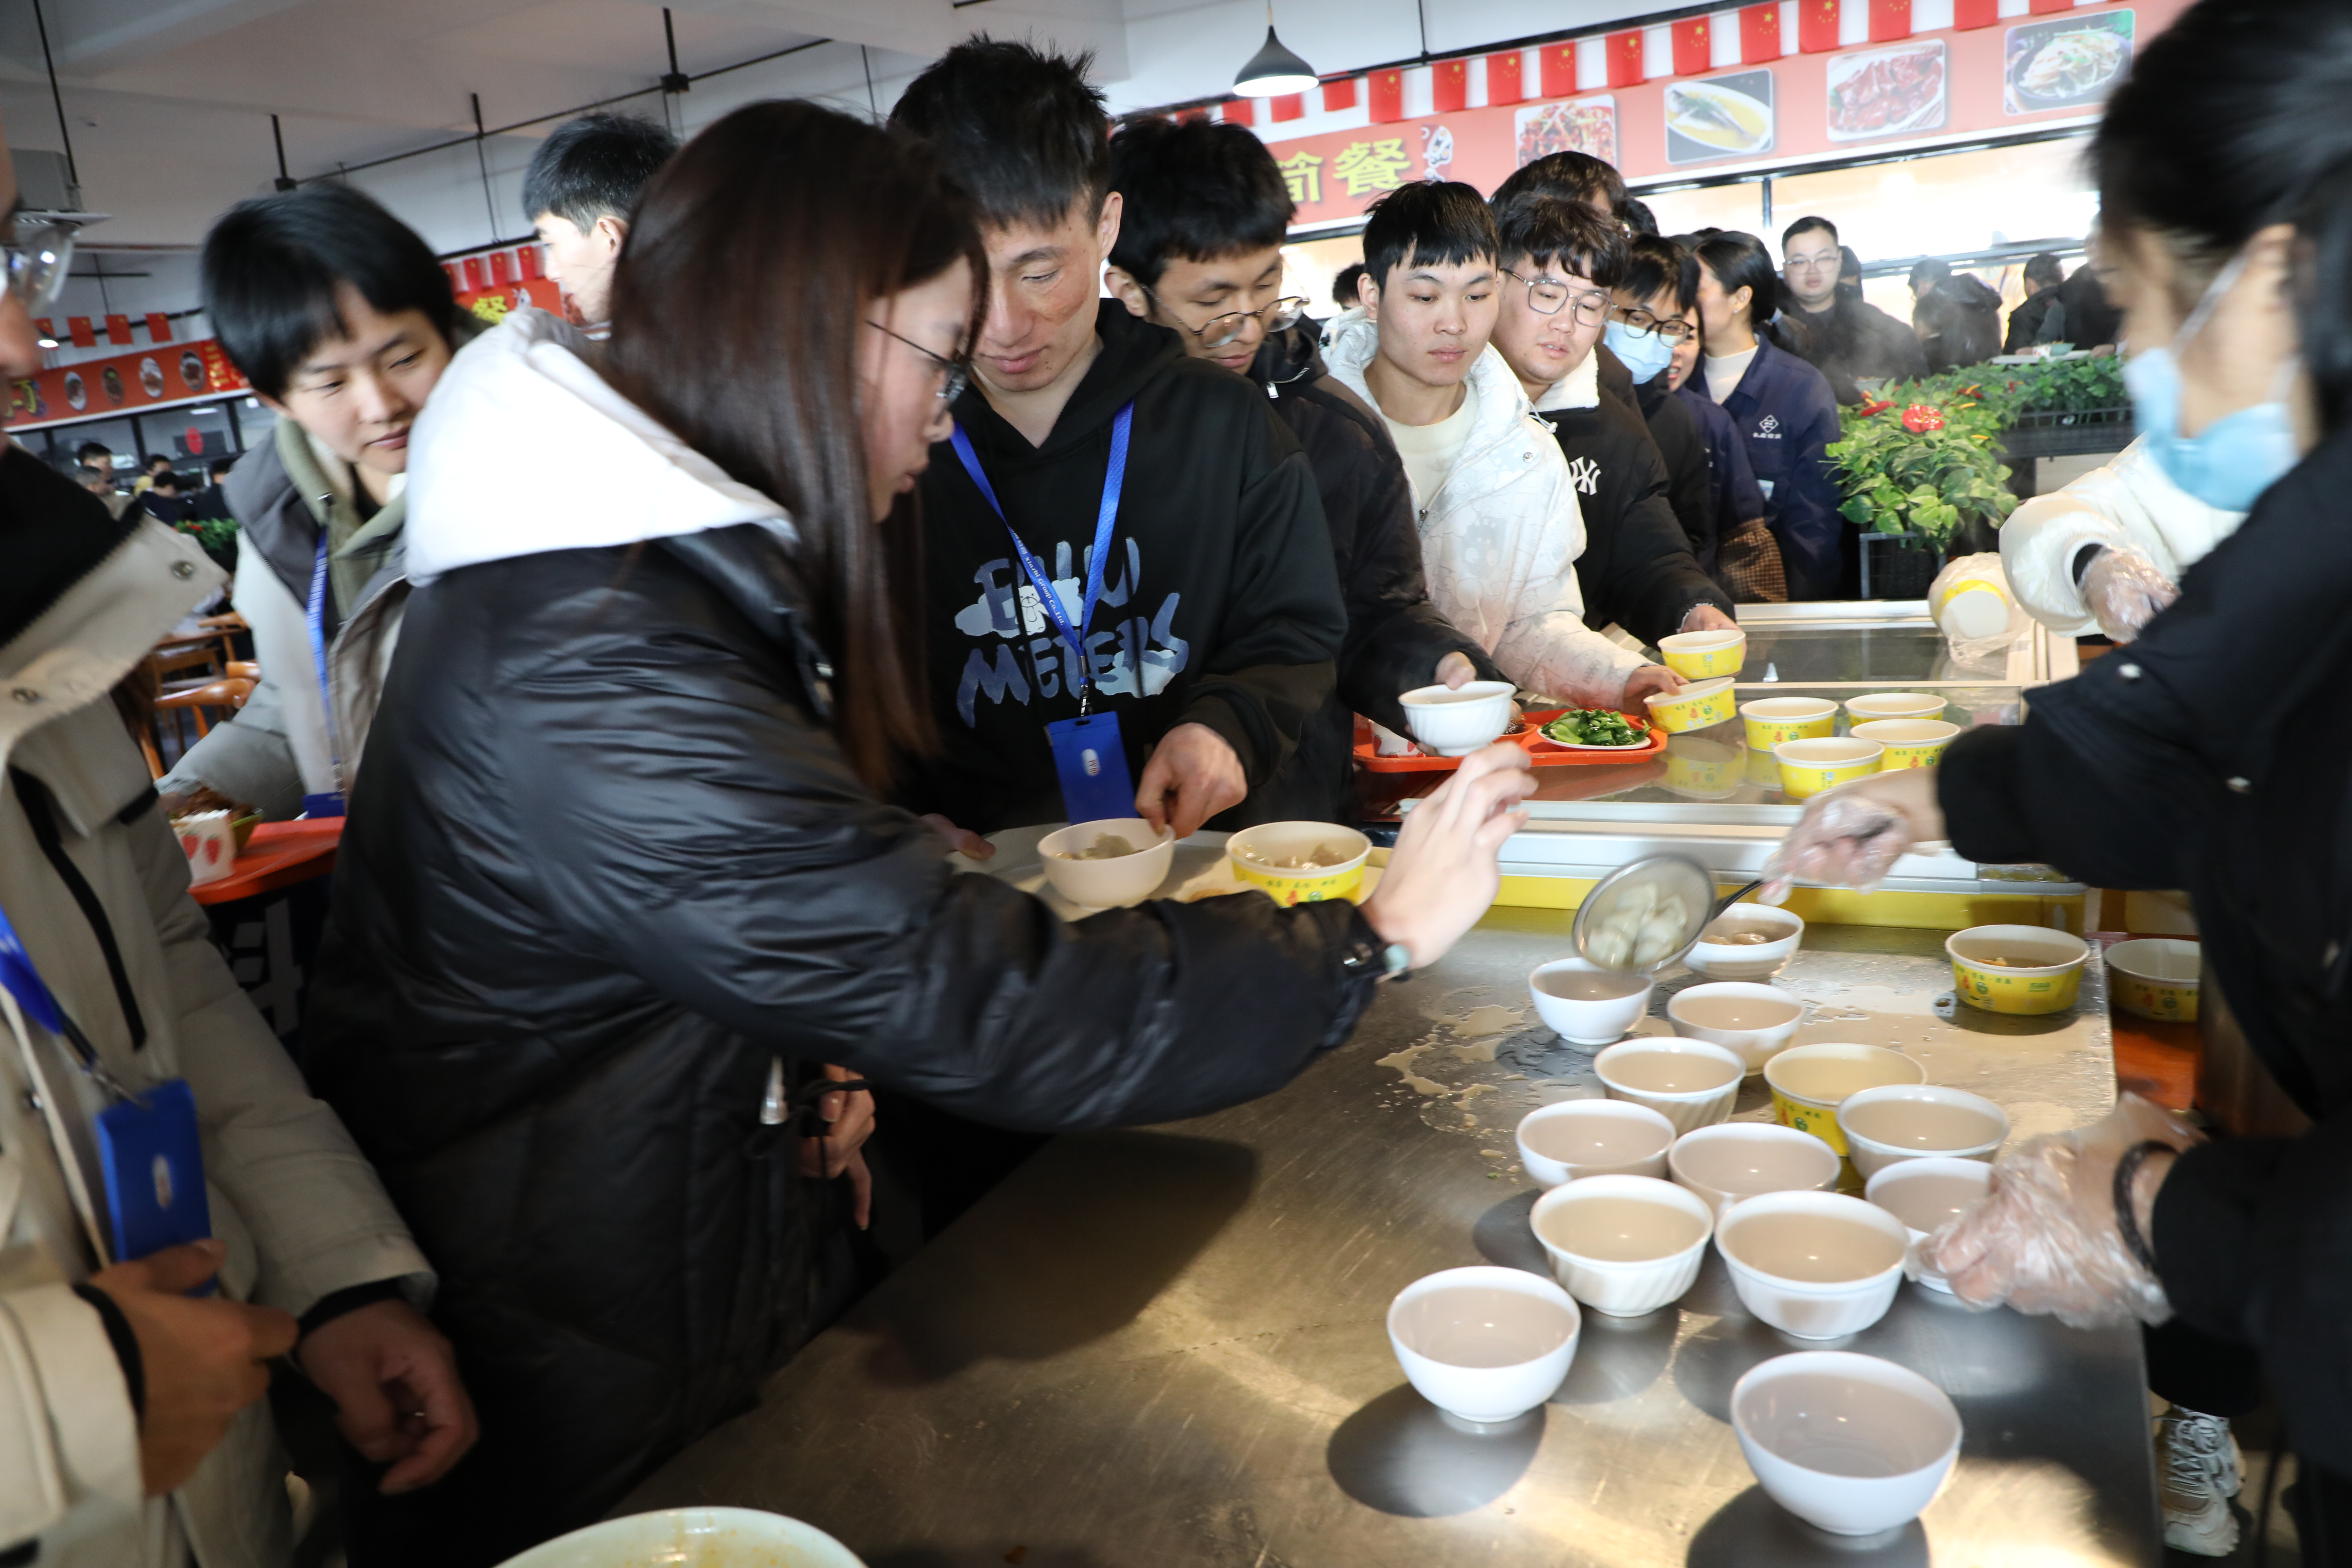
column 1754, row 1020
column 1300, row 862
column 1747, row 941
column 1918, row 1121
column 1109, row 864
column 1572, row 1140
column 1810, row 1082
column 1624, row 1245
column 2017, row 969
column 1455, row 720
column 1691, row 1083
column 1485, row 1345
column 1819, row 1266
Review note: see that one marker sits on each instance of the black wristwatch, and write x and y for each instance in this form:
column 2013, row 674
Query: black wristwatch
column 1389, row 961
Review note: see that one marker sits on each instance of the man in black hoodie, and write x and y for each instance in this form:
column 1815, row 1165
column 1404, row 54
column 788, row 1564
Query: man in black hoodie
column 1219, row 613
column 1846, row 338
column 1204, row 210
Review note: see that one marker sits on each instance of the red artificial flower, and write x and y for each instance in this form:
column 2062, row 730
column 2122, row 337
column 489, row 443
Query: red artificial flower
column 1920, row 418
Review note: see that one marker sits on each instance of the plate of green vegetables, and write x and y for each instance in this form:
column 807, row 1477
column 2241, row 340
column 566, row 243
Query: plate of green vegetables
column 1597, row 730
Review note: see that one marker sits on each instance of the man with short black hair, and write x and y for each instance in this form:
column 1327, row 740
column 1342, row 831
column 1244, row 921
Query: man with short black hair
column 1560, row 259
column 2040, row 279
column 1221, row 613
column 578, row 193
column 162, row 496
column 1581, row 177
column 1204, row 211
column 1845, row 338
column 95, row 458
column 1496, row 505
column 211, row 503
column 343, row 320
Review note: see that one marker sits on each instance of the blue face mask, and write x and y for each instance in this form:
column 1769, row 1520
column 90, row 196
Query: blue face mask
column 1645, row 354
column 2230, row 463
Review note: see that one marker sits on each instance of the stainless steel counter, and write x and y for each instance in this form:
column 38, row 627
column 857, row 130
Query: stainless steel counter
column 1166, row 1347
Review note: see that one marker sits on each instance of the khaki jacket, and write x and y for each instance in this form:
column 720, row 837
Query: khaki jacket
column 302, row 1213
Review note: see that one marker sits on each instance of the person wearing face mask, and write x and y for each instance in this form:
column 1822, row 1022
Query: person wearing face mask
column 2200, row 759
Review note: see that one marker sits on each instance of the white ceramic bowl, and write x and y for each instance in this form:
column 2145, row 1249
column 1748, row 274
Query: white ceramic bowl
column 1738, row 1015
column 1689, row 1082
column 1624, row 1245
column 1925, row 1194
column 1748, row 960
column 1614, row 1004
column 1455, row 721
column 1577, row 1139
column 1485, row 1344
column 1108, row 884
column 1810, row 1082
column 1894, row 705
column 1735, row 1159
column 1850, row 1444
column 1918, row 1121
column 1819, row 1266
column 719, row 1537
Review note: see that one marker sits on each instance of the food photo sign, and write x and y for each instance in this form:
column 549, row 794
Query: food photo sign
column 1927, row 90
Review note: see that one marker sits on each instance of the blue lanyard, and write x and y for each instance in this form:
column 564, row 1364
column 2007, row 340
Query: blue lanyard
column 24, row 981
column 1105, row 525
column 316, row 613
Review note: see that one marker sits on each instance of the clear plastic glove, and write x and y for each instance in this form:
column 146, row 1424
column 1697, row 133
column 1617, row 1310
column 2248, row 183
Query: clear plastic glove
column 2044, row 1238
column 2124, row 592
column 1850, row 837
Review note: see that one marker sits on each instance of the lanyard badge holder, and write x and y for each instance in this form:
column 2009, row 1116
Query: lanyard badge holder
column 330, row 803
column 148, row 1149
column 1088, row 756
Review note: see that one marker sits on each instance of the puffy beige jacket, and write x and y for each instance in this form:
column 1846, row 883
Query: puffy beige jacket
column 2128, row 502
column 301, row 1211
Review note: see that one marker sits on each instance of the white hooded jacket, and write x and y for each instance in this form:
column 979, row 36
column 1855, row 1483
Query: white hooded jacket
column 1500, row 538
column 2128, row 503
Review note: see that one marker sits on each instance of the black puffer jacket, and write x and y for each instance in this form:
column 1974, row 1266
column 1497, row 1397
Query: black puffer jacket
column 613, row 869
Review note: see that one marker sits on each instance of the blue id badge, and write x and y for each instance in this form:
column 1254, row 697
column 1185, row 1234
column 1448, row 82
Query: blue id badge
column 154, row 1168
column 1092, row 765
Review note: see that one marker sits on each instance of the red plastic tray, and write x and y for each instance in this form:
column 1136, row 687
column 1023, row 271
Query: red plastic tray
column 1541, row 752
column 279, row 855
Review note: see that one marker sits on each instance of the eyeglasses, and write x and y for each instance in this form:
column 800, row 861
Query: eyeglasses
column 40, row 254
column 956, row 374
column 1812, row 263
column 1218, row 331
column 1641, row 323
column 1547, row 295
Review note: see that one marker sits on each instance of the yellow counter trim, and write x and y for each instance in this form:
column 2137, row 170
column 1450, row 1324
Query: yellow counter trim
column 1834, row 906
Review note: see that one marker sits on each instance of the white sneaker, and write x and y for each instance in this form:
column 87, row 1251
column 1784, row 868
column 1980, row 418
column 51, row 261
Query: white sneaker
column 2199, row 1470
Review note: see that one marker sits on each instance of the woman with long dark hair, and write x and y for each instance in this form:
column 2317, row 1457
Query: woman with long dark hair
column 2212, row 754
column 1783, row 407
column 622, row 876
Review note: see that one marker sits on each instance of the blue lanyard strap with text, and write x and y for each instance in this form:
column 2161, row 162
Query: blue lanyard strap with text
column 34, row 999
column 1114, row 475
column 316, row 614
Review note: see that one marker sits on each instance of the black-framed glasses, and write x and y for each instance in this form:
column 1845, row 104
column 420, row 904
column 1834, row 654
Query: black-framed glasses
column 40, row 254
column 1642, row 322
column 956, row 374
column 1218, row 331
column 1547, row 296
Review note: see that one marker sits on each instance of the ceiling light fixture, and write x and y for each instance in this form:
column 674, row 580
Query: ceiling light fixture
column 1274, row 71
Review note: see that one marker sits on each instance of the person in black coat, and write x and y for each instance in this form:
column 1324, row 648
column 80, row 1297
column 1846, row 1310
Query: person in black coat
column 2194, row 759
column 1957, row 316
column 2041, row 278
column 1846, row 338
column 1203, row 215
column 623, row 881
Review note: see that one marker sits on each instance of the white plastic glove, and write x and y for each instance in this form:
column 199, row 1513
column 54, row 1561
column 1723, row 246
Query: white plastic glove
column 1850, row 837
column 2044, row 1238
column 2124, row 591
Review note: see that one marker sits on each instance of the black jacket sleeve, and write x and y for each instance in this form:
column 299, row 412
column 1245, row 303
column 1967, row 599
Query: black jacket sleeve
column 1689, row 490
column 1653, row 579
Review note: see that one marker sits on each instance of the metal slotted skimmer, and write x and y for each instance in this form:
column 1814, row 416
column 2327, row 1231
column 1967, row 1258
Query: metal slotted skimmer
column 1647, row 914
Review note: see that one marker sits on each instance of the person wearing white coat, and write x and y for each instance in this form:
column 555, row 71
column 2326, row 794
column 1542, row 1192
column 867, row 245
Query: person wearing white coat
column 2106, row 553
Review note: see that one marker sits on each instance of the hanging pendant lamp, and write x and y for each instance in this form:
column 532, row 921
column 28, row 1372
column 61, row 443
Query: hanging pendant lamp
column 1274, row 71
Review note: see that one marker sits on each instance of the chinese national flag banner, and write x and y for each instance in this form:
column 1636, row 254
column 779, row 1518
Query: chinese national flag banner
column 1760, row 34
column 1559, row 70
column 1388, row 96
column 455, row 285
column 1890, row 21
column 1337, row 95
column 500, row 262
column 1238, row 111
column 1288, row 106
column 1694, row 47
column 1968, row 14
column 1449, row 87
column 1817, row 26
column 1503, row 78
column 78, row 329
column 48, row 328
column 158, row 327
column 1626, row 67
column 526, row 262
column 475, row 281
column 118, row 331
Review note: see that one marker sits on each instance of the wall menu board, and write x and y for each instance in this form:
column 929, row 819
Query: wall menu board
column 1929, row 88
column 158, row 378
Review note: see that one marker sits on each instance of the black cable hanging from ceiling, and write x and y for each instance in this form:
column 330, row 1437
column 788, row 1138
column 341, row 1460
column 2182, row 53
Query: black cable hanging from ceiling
column 873, row 105
column 286, row 182
column 73, row 174
column 676, row 80
column 482, row 162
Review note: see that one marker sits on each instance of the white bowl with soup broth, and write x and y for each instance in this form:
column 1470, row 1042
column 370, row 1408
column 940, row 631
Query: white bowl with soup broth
column 1926, row 1196
column 1109, row 864
column 1624, row 1245
column 1754, row 1020
column 1735, row 1159
column 1918, row 1121
column 1850, row 1444
column 1485, row 1345
column 1576, row 1139
column 1689, row 1082
column 1586, row 1004
column 1819, row 1266
column 1747, row 941
column 1455, row 721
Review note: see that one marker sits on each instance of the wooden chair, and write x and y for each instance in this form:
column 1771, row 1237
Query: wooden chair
column 173, row 663
column 208, row 704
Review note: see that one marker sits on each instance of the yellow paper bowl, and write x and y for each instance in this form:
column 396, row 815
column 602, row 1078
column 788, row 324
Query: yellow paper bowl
column 2156, row 977
column 1696, row 655
column 1809, row 767
column 1772, row 720
column 2043, row 972
column 1695, row 707
column 1810, row 1082
column 1909, row 742
column 1709, row 770
column 1894, row 705
column 1294, row 840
